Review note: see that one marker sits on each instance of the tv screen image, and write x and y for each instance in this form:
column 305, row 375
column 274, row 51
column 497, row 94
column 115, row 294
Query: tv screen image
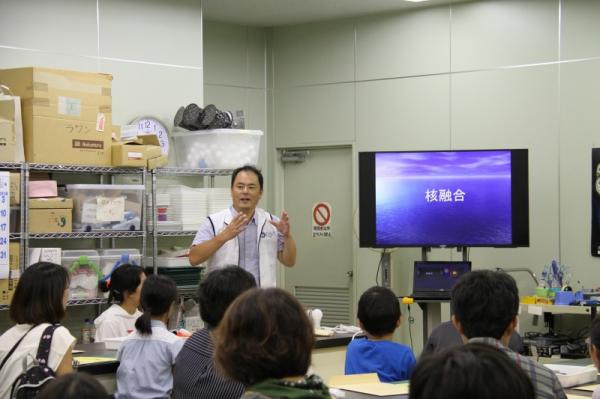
column 444, row 198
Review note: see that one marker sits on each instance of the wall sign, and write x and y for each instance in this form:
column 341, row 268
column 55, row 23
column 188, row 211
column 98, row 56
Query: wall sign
column 321, row 220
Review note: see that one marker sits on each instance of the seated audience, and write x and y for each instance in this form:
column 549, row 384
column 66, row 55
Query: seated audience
column 39, row 301
column 265, row 341
column 124, row 285
column 445, row 336
column 148, row 355
column 484, row 307
column 594, row 348
column 471, row 371
column 74, row 386
column 195, row 375
column 379, row 316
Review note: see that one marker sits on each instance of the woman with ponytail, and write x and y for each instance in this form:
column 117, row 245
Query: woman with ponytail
column 148, row 355
column 124, row 285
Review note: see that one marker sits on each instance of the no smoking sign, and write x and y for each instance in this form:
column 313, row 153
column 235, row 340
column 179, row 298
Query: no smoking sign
column 321, row 220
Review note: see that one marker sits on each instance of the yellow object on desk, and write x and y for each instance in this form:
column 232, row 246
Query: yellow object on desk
column 93, row 359
column 367, row 383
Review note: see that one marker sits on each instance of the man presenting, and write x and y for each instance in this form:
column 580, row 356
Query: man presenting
column 245, row 235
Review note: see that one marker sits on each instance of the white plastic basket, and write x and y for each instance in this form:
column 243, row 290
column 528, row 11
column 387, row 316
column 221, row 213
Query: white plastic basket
column 217, row 149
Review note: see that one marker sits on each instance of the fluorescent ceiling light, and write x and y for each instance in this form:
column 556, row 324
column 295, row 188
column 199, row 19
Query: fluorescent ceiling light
column 416, row 1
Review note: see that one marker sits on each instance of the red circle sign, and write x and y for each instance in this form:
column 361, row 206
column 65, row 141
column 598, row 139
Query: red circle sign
column 321, row 214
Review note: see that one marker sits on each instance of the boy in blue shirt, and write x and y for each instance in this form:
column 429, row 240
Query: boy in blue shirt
column 379, row 316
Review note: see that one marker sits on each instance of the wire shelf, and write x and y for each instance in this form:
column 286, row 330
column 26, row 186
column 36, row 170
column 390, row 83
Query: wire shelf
column 190, row 171
column 183, row 233
column 83, row 168
column 10, row 165
column 93, row 301
column 14, row 236
column 74, row 302
column 99, row 234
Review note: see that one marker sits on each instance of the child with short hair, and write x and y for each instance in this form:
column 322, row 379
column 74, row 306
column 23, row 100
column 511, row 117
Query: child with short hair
column 148, row 355
column 594, row 349
column 379, row 316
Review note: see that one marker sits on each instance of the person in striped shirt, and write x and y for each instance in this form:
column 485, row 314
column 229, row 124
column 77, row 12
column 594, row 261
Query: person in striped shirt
column 484, row 307
column 195, row 375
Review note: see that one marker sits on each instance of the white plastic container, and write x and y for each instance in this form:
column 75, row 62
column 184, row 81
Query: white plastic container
column 217, row 149
column 110, row 257
column 106, row 206
column 84, row 272
column 570, row 376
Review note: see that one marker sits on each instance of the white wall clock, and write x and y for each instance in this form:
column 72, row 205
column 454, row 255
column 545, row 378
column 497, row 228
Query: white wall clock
column 153, row 125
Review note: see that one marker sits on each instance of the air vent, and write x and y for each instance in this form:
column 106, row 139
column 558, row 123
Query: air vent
column 333, row 301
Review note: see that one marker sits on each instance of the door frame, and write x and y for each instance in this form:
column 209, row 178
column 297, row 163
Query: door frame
column 279, row 199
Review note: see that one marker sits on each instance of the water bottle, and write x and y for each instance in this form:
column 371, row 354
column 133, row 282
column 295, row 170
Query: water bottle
column 87, row 332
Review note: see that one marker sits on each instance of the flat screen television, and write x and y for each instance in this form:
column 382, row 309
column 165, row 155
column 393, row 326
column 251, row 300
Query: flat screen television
column 474, row 198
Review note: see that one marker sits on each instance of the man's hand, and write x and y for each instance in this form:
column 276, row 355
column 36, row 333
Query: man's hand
column 283, row 226
column 237, row 225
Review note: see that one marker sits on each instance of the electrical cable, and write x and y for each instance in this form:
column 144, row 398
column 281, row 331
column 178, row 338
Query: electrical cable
column 410, row 323
column 379, row 268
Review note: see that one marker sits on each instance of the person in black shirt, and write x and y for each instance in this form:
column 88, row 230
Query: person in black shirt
column 194, row 375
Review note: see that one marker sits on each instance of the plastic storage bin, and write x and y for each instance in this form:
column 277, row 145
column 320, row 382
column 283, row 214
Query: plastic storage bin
column 106, row 206
column 84, row 272
column 217, row 149
column 109, row 258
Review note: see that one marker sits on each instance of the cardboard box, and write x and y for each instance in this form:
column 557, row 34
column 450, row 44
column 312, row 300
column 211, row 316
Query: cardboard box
column 51, row 215
column 67, row 115
column 136, row 151
column 42, row 188
column 15, row 188
column 8, row 286
column 158, row 162
column 51, row 203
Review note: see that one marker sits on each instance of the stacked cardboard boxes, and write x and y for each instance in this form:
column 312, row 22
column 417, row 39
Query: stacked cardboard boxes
column 50, row 215
column 67, row 115
column 140, row 151
column 8, row 286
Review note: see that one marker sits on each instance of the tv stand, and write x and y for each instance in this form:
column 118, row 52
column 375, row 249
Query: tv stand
column 463, row 250
column 432, row 309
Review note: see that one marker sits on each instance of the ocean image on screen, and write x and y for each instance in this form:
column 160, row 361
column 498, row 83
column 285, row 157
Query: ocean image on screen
column 443, row 198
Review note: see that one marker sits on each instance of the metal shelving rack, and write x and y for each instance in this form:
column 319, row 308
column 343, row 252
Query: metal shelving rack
column 24, row 236
column 103, row 171
column 156, row 173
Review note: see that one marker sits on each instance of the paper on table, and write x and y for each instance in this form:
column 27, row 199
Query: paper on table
column 93, row 359
column 589, row 387
column 569, row 396
column 367, row 383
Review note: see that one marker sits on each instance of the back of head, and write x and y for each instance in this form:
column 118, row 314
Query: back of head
column 74, row 386
column 39, row 295
column 379, row 311
column 265, row 333
column 158, row 295
column 124, row 279
column 219, row 289
column 485, row 302
column 471, row 371
column 595, row 332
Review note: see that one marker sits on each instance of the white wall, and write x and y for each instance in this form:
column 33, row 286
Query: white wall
column 485, row 74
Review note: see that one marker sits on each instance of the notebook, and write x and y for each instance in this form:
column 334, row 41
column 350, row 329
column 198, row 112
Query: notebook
column 434, row 280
